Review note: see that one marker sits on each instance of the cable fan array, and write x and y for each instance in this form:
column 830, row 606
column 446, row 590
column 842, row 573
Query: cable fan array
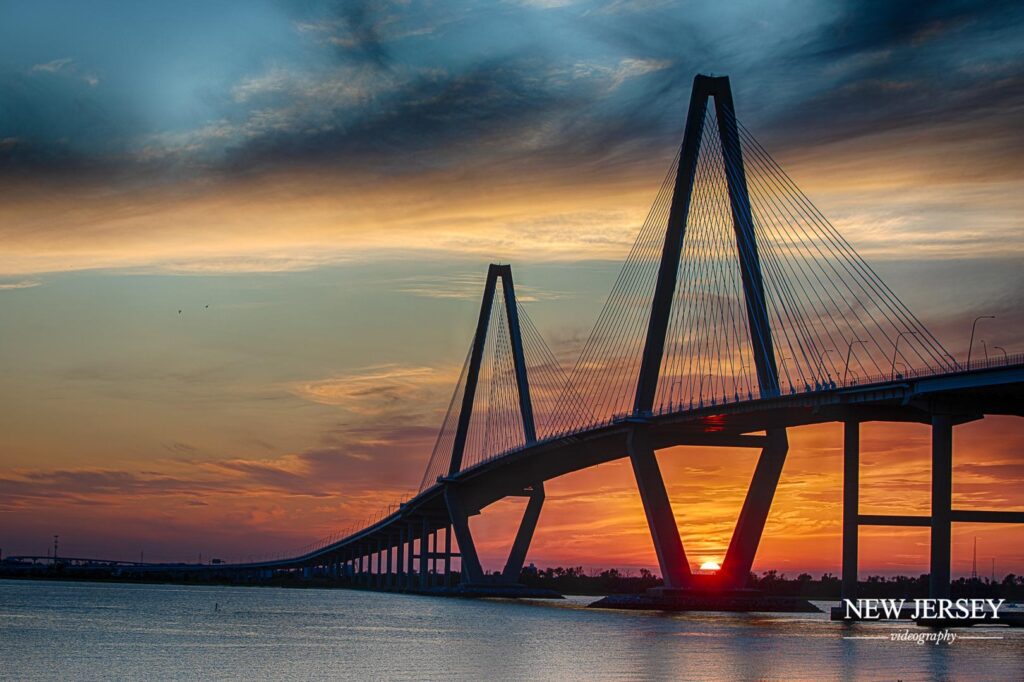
column 496, row 424
column 832, row 320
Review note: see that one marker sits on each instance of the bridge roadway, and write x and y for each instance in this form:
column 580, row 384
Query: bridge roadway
column 964, row 396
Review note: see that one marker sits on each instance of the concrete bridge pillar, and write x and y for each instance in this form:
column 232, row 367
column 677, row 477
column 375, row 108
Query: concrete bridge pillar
column 424, row 544
column 754, row 514
column 432, row 564
column 410, row 579
column 399, row 558
column 378, row 578
column 675, row 570
column 472, row 572
column 448, row 556
column 851, row 505
column 942, row 502
column 524, row 536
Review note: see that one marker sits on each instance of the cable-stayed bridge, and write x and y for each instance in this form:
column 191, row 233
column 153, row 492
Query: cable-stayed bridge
column 740, row 312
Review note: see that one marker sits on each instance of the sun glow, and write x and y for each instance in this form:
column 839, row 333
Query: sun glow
column 710, row 566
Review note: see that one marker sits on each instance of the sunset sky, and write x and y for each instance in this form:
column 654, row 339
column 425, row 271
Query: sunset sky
column 319, row 186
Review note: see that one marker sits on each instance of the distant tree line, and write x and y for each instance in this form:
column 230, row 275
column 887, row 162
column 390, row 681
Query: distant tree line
column 576, row 580
column 567, row 580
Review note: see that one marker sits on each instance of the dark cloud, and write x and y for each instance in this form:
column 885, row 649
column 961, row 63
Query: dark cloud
column 912, row 68
column 869, row 25
column 976, row 112
column 444, row 114
column 19, row 155
column 362, row 21
column 997, row 473
column 410, row 86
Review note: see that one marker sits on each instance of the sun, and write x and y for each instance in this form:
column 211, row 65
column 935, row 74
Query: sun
column 710, row 566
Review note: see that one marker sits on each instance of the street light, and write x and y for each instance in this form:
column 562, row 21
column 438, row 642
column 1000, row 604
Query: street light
column 985, row 346
column 849, row 350
column 970, row 346
column 701, row 389
column 895, row 350
column 1006, row 358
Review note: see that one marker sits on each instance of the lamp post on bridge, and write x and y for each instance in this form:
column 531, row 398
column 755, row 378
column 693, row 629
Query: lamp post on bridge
column 974, row 325
column 710, row 380
column 895, row 351
column 849, row 351
column 1006, row 358
column 985, row 347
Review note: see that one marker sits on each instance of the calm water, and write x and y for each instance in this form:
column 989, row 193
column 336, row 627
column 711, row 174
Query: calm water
column 88, row 631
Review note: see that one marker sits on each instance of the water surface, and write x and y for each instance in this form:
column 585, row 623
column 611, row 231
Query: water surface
column 98, row 631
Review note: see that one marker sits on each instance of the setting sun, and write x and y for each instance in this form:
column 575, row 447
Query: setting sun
column 710, row 566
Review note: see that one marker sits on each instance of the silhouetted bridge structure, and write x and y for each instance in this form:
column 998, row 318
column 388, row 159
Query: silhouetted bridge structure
column 740, row 313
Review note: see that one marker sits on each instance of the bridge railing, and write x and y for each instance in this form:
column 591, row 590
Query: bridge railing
column 930, row 371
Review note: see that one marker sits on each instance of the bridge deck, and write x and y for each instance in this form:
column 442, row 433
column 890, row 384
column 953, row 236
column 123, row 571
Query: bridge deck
column 966, row 394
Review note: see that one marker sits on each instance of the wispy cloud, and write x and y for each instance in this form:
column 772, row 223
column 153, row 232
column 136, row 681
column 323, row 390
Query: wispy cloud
column 468, row 286
column 68, row 66
column 21, row 284
column 381, row 390
column 52, row 66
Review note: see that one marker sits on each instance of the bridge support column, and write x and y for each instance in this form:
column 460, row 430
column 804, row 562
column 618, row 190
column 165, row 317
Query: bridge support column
column 399, row 556
column 388, row 573
column 747, row 534
column 410, row 577
column 472, row 571
column 424, row 550
column 524, row 536
column 448, row 556
column 675, row 570
column 942, row 502
column 851, row 505
column 378, row 579
column 432, row 568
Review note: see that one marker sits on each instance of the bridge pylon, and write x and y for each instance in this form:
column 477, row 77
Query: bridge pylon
column 747, row 533
column 459, row 507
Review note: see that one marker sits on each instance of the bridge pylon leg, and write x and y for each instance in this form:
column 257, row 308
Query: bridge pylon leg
column 521, row 545
column 472, row 571
column 851, row 506
column 675, row 570
column 942, row 502
column 754, row 513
